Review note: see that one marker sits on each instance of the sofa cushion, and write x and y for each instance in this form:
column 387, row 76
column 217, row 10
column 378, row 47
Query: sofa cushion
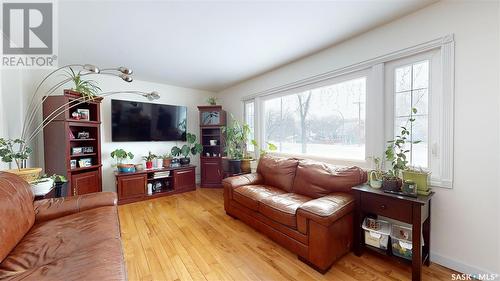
column 101, row 261
column 278, row 172
column 16, row 208
column 327, row 209
column 250, row 195
column 316, row 179
column 282, row 208
column 67, row 236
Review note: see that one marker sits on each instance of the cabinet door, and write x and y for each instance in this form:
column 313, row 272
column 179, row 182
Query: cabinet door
column 84, row 183
column 211, row 172
column 131, row 187
column 184, row 179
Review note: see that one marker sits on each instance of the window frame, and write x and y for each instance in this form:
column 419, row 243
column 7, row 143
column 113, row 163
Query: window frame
column 376, row 127
column 250, row 149
column 366, row 73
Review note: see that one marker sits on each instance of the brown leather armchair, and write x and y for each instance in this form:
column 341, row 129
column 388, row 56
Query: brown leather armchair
column 305, row 206
column 73, row 238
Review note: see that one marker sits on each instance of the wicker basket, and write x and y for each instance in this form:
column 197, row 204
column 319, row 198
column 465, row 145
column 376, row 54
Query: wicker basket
column 28, row 174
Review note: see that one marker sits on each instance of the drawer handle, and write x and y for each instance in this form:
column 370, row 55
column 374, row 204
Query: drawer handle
column 383, row 207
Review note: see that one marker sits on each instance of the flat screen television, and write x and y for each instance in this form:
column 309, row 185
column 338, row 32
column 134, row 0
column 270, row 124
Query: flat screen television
column 140, row 121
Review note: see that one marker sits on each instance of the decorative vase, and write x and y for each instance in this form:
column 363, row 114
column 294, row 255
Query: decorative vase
column 167, row 162
column 126, row 168
column 245, row 166
column 185, row 161
column 159, row 163
column 28, row 174
column 149, row 164
column 375, row 180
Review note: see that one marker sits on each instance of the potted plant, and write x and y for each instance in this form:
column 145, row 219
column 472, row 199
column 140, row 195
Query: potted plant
column 120, row 155
column 420, row 177
column 42, row 185
column 87, row 88
column 212, row 100
column 60, row 183
column 262, row 151
column 16, row 150
column 191, row 147
column 376, row 175
column 167, row 159
column 395, row 154
column 235, row 144
column 149, row 160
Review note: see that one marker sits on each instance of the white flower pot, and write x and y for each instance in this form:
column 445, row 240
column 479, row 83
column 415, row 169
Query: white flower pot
column 42, row 187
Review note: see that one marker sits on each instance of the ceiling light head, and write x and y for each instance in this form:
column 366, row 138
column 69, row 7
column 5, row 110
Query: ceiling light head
column 125, row 77
column 91, row 68
column 154, row 95
column 125, row 70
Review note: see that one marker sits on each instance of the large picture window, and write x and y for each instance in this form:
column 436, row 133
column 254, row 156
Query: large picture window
column 327, row 121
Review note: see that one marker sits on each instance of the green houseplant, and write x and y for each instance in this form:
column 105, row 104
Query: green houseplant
column 395, row 154
column 121, row 155
column 212, row 100
column 190, row 148
column 236, row 138
column 149, row 160
column 16, row 150
column 87, row 88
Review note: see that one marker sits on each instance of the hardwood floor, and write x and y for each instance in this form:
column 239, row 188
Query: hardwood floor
column 189, row 237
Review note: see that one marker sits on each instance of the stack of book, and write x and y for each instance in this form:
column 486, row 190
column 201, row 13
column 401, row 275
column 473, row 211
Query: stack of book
column 161, row 175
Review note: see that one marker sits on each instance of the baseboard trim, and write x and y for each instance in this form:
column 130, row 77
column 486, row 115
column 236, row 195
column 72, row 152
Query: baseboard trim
column 458, row 265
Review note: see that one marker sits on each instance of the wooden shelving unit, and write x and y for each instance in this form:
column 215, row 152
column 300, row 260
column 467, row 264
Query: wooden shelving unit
column 61, row 136
column 212, row 120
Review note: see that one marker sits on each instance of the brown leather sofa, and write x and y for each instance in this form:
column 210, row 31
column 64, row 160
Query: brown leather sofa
column 73, row 238
column 303, row 205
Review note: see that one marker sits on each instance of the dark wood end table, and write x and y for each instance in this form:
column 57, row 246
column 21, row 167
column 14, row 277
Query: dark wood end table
column 414, row 211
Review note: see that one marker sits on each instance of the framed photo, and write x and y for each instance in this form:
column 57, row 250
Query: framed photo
column 83, row 135
column 88, row 149
column 76, row 150
column 84, row 114
column 72, row 164
column 85, row 162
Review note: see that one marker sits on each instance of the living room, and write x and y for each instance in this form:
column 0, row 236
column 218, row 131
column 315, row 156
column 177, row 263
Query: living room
column 236, row 140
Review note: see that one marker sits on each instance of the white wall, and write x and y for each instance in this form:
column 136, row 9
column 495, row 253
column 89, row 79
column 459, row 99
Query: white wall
column 465, row 227
column 18, row 86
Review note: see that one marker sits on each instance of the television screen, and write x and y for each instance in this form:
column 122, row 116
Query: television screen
column 139, row 121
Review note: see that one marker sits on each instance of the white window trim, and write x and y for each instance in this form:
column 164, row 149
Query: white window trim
column 375, row 88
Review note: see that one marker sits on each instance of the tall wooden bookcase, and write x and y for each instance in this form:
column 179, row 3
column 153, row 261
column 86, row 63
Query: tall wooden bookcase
column 63, row 145
column 212, row 120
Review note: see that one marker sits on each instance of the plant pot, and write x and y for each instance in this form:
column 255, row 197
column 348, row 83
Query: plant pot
column 167, row 162
column 420, row 179
column 126, row 168
column 61, row 189
column 185, row 161
column 234, row 166
column 27, row 174
column 245, row 166
column 375, row 180
column 139, row 167
column 42, row 186
column 159, row 163
column 392, row 184
column 149, row 164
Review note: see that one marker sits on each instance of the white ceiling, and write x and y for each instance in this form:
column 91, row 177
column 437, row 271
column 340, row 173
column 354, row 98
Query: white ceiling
column 212, row 45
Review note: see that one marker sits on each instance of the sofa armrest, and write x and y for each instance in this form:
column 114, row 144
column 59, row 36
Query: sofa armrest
column 247, row 179
column 49, row 209
column 327, row 209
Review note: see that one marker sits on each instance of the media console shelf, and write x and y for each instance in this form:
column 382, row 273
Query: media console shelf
column 132, row 187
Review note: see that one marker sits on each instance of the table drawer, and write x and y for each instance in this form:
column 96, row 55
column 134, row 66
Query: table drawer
column 387, row 207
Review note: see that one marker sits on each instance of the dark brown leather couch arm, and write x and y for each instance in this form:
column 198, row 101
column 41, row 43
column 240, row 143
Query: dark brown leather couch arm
column 327, row 209
column 49, row 209
column 247, row 179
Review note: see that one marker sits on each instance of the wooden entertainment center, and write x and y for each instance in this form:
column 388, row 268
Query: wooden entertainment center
column 132, row 187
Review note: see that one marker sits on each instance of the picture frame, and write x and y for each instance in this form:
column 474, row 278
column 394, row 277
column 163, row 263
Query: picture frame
column 85, row 162
column 84, row 114
column 72, row 164
column 87, row 149
column 76, row 150
column 83, row 135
